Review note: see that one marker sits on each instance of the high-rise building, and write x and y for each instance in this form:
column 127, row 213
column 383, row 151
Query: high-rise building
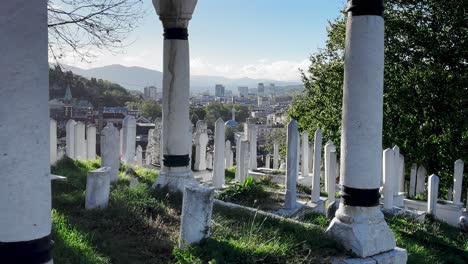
column 261, row 89
column 150, row 92
column 272, row 89
column 219, row 90
column 243, row 91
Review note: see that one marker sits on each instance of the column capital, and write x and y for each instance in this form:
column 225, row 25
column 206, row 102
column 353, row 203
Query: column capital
column 175, row 13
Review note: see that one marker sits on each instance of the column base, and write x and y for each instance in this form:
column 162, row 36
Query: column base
column 175, row 178
column 395, row 256
column 362, row 230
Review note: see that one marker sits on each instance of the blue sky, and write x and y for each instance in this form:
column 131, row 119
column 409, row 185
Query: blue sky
column 236, row 38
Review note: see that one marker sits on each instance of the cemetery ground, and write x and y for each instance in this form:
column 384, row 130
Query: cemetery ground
column 141, row 225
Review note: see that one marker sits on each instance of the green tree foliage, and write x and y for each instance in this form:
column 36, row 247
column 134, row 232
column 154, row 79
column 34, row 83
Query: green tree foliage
column 277, row 136
column 214, row 110
column 425, row 84
column 113, row 94
column 151, row 109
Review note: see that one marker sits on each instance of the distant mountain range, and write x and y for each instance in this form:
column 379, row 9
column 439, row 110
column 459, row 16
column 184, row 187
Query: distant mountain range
column 136, row 78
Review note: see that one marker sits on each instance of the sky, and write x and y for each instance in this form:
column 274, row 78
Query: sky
column 268, row 39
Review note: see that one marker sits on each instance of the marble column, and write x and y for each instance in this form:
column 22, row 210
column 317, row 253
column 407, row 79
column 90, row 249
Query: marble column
column 91, row 142
column 359, row 224
column 219, row 166
column 228, row 154
column 316, row 171
column 275, row 156
column 110, row 149
column 420, row 180
column 70, row 138
column 305, row 154
column 330, row 170
column 412, row 185
column 290, row 200
column 176, row 170
column 53, row 141
column 25, row 193
column 432, row 194
column 252, row 137
column 80, row 141
column 129, row 139
column 457, row 181
column 388, row 177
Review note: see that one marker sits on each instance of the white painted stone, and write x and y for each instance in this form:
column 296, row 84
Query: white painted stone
column 267, row 161
column 201, row 140
column 110, row 150
column 91, row 142
column 362, row 229
column 420, row 180
column 139, row 156
column 80, row 143
column 219, row 165
column 97, row 188
column 433, row 194
column 197, row 207
column 177, row 129
column 70, row 138
column 317, row 160
column 290, row 200
column 53, row 141
column 275, row 156
column 457, row 181
column 243, row 165
column 25, row 195
column 305, row 154
column 252, row 137
column 412, row 186
column 121, row 143
column 330, row 170
column 209, row 161
column 238, row 137
column 402, row 174
column 129, row 139
column 388, row 177
column 449, row 194
column 396, row 170
column 228, row 154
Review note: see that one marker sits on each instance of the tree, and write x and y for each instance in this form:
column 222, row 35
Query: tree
column 79, row 26
column 151, row 109
column 425, row 84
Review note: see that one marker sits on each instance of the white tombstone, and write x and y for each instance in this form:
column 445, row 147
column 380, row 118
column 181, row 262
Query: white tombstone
column 396, row 170
column 53, row 141
column 275, row 156
column 317, row 160
column 209, row 161
column 243, row 165
column 201, row 140
column 305, row 154
column 326, row 161
column 219, row 152
column 420, row 180
column 97, row 188
column 450, row 194
column 129, row 139
column 290, row 200
column 252, row 137
column 121, row 143
column 267, row 161
column 238, row 137
column 91, row 142
column 457, row 181
column 110, row 150
column 388, row 177
column 282, row 166
column 311, row 157
column 70, row 138
column 433, row 194
column 157, row 151
column 330, row 170
column 197, row 207
column 25, row 194
column 228, row 154
column 402, row 174
column 139, row 156
column 412, row 186
column 80, row 141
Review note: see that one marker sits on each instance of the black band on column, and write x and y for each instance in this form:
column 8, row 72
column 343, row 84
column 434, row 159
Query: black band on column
column 36, row 251
column 176, row 160
column 366, row 7
column 176, row 33
column 360, row 197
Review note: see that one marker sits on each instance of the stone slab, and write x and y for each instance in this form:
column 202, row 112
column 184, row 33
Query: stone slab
column 395, row 256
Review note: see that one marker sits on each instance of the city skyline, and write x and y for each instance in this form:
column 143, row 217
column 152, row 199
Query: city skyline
column 256, row 39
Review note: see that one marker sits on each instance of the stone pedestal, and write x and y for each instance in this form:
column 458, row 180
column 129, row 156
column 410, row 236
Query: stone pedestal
column 97, row 188
column 197, row 207
column 177, row 128
column 25, row 193
column 110, row 150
